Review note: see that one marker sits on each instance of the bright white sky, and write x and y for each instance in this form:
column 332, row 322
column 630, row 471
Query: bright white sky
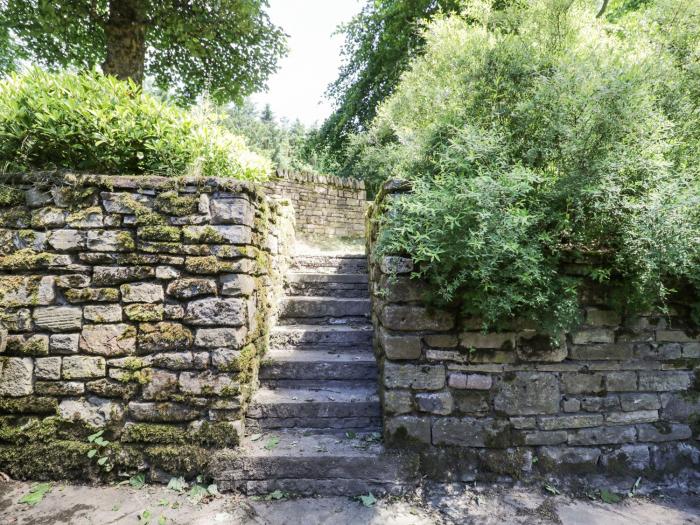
column 297, row 89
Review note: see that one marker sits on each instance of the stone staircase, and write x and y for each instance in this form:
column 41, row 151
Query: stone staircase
column 314, row 426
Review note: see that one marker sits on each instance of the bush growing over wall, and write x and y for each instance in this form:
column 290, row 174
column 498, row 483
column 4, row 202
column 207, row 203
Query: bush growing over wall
column 541, row 135
column 96, row 123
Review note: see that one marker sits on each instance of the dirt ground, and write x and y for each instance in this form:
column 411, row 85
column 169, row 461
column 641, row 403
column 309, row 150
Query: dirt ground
column 157, row 505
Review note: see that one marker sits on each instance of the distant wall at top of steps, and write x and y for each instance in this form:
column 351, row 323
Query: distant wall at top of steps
column 324, row 205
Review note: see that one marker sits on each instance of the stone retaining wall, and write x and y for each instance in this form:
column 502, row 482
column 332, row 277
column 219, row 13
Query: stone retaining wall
column 324, row 205
column 619, row 396
column 136, row 305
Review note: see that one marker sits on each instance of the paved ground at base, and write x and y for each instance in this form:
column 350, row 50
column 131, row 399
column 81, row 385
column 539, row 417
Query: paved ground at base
column 78, row 504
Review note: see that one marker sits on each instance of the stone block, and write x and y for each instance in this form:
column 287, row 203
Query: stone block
column 637, row 401
column 600, row 403
column 226, row 359
column 164, row 336
column 75, row 280
column 440, row 403
column 144, row 312
column 221, row 337
column 46, row 218
column 471, row 402
column 545, row 438
column 415, row 318
column 627, row 458
column 48, row 368
column 674, row 336
column 109, row 340
column 231, row 211
column 103, row 313
column 110, row 241
column 162, row 412
column 524, row 393
column 16, row 376
column 470, row 381
column 571, row 405
column 415, row 377
column 26, row 290
column 601, row 352
column 575, row 421
column 630, row 418
column 401, row 289
column 599, row 317
column 124, row 203
column 215, row 311
column 167, row 272
column 569, row 459
column 59, row 388
column 108, row 388
column 33, row 345
column 621, row 381
column 603, row 436
column 86, row 295
column 541, row 348
column 392, row 264
column 407, row 430
column 664, row 431
column 173, row 311
column 398, row 402
column 113, row 275
column 142, row 293
column 479, row 340
column 92, row 411
column 173, row 360
column 471, row 432
column 208, row 383
column 583, row 383
column 400, row 347
column 161, row 386
column 19, row 320
column 58, row 318
column 218, row 234
column 237, row 285
column 664, row 381
column 593, row 335
column 64, row 343
column 83, row 367
column 189, row 287
column 67, row 240
column 441, row 340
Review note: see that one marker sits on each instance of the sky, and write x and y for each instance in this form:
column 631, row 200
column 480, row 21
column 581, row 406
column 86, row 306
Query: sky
column 297, row 89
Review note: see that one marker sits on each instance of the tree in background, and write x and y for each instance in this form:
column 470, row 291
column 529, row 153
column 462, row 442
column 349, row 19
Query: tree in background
column 226, row 47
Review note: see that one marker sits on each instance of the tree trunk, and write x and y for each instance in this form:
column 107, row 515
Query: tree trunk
column 125, row 31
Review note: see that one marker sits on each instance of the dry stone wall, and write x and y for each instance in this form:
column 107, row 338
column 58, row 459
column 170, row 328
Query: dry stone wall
column 136, row 305
column 618, row 396
column 324, row 205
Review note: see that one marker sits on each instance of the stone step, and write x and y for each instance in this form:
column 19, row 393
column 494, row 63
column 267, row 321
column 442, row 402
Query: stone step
column 325, row 408
column 310, row 364
column 324, row 308
column 305, row 463
column 331, row 285
column 322, row 337
column 330, row 264
column 315, row 384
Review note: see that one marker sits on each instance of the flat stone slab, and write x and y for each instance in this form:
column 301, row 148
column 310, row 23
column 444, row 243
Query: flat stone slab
column 321, row 336
column 312, row 364
column 300, row 307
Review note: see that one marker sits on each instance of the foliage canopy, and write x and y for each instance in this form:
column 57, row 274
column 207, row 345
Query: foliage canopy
column 538, row 136
column 97, row 123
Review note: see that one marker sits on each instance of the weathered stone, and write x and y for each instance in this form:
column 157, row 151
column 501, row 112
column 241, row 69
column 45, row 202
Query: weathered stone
column 96, row 295
column 632, row 402
column 523, row 423
column 29, row 290
column 19, row 320
column 208, row 383
column 577, row 421
column 680, row 406
column 36, row 197
column 108, row 313
column 109, row 340
column 435, row 402
column 627, row 458
column 627, row 418
column 472, row 402
column 400, row 346
column 231, row 211
column 237, row 285
column 16, row 376
column 33, row 345
column 487, row 356
column 524, row 393
column 214, row 311
column 110, row 240
column 583, row 383
column 414, row 318
column 416, row 377
column 167, row 272
column 691, row 350
column 471, row 432
column 108, row 388
column 218, row 234
column 141, row 293
column 87, row 218
column 407, row 430
column 75, row 280
column 541, row 348
column 398, row 402
column 569, row 459
column 144, row 312
column 64, row 343
column 598, row 317
column 59, row 388
column 664, row 381
column 112, row 275
column 48, row 218
column 603, row 436
column 58, row 318
column 92, row 411
column 600, row 403
column 674, row 336
column 396, row 265
column 162, row 412
column 557, row 437
column 663, row 431
column 161, row 385
column 68, row 240
column 173, row 360
column 124, row 203
column 470, row 381
column 593, row 335
column 571, row 405
column 83, row 367
column 401, row 289
column 226, row 359
column 494, row 341
column 600, row 352
column 163, row 337
column 621, row 382
column 173, row 311
column 47, row 368
column 191, row 287
column 441, row 340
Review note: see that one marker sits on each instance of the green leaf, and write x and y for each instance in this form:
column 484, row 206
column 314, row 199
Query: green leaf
column 213, row 490
column 36, row 494
column 177, row 484
column 551, row 489
column 162, row 520
column 608, row 496
column 368, row 501
column 272, row 443
column 350, row 434
column 276, row 495
column 102, row 460
column 91, row 453
column 93, row 437
column 138, row 481
column 197, row 494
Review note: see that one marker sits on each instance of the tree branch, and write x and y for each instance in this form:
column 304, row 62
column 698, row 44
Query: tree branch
column 602, row 8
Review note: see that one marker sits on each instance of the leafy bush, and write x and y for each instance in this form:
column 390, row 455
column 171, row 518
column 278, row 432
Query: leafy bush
column 538, row 136
column 96, row 123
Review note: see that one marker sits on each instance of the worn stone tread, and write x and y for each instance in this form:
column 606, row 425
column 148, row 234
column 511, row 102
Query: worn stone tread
column 314, row 277
column 322, row 337
column 303, row 307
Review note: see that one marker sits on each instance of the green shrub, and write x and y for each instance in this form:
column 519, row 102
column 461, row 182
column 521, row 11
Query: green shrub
column 539, row 136
column 96, row 123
